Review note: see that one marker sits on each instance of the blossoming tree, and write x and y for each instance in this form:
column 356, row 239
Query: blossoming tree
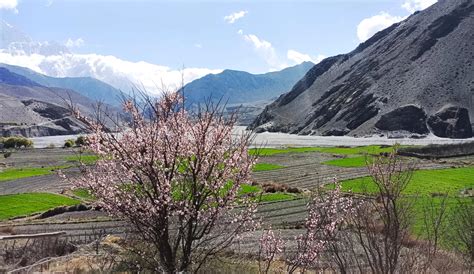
column 176, row 178
column 326, row 213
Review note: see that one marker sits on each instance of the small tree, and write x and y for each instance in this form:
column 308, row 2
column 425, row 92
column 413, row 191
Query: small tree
column 326, row 213
column 462, row 234
column 16, row 142
column 381, row 224
column 175, row 178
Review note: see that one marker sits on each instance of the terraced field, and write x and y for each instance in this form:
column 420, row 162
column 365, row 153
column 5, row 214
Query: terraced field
column 305, row 170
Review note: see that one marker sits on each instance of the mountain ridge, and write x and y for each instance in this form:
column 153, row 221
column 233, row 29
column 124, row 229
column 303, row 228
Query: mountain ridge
column 242, row 91
column 30, row 109
column 90, row 87
column 424, row 61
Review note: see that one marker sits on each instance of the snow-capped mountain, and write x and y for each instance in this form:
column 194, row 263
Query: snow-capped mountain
column 57, row 60
column 15, row 42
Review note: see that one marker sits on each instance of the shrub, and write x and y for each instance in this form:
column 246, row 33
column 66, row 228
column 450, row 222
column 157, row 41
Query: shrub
column 16, row 142
column 69, row 143
column 274, row 187
column 7, row 154
column 81, row 141
column 293, row 190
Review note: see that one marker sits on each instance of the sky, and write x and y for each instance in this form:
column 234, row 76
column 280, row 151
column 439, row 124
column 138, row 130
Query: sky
column 208, row 36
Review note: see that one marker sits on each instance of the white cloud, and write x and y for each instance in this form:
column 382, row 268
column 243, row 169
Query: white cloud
column 298, row 57
column 275, row 62
column 77, row 43
column 110, row 69
column 197, row 45
column 265, row 50
column 233, row 17
column 370, row 26
column 9, row 5
column 414, row 5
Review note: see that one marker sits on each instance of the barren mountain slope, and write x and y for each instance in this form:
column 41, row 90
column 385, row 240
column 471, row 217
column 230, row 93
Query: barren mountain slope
column 414, row 77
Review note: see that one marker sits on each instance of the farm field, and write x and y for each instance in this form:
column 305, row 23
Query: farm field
column 304, row 169
column 24, row 204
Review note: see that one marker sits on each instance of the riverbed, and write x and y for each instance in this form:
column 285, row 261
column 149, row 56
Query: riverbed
column 271, row 139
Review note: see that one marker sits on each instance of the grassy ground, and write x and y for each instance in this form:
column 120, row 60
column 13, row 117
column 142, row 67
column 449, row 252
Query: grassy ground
column 330, row 150
column 424, row 182
column 266, row 167
column 29, row 203
column 18, row 173
column 86, row 159
column 425, row 189
column 424, row 203
column 266, row 197
column 83, row 194
column 358, row 161
column 244, row 190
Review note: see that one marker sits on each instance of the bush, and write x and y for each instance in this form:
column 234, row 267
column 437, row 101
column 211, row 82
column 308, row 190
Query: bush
column 69, row 143
column 7, row 154
column 81, row 141
column 274, row 187
column 16, row 142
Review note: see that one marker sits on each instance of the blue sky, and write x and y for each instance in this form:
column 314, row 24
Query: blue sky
column 148, row 41
column 194, row 33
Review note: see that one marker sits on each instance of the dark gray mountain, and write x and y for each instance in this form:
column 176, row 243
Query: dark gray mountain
column 242, row 90
column 242, row 87
column 87, row 86
column 413, row 78
column 30, row 109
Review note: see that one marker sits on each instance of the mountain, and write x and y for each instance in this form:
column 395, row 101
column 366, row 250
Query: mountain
column 59, row 60
column 30, row 109
column 414, row 78
column 87, row 86
column 239, row 89
column 15, row 79
column 15, row 42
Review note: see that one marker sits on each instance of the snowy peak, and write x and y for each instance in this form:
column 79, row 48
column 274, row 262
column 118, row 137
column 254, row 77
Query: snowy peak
column 15, row 42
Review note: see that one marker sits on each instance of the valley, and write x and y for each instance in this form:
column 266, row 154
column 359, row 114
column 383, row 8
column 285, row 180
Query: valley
column 244, row 137
column 303, row 168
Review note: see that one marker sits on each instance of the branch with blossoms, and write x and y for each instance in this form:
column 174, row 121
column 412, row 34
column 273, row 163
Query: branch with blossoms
column 270, row 247
column 326, row 213
column 175, row 177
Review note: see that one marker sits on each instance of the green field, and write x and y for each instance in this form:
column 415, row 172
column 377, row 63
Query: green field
column 266, row 197
column 245, row 189
column 83, row 194
column 85, row 159
column 331, row 150
column 278, row 196
column 359, row 161
column 424, row 182
column 29, row 203
column 425, row 188
column 423, row 203
column 266, row 167
column 18, row 173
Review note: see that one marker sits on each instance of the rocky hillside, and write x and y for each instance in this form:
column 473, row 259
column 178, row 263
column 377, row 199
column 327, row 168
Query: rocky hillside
column 249, row 93
column 411, row 79
column 86, row 86
column 30, row 109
